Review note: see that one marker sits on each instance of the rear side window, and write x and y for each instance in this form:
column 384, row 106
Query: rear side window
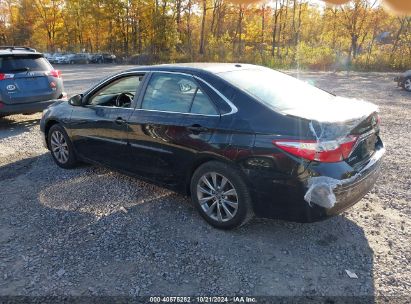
column 176, row 93
column 278, row 91
column 10, row 64
column 202, row 105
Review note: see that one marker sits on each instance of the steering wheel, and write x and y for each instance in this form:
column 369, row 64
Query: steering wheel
column 124, row 98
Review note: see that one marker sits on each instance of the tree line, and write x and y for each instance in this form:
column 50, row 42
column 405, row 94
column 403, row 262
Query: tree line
column 280, row 33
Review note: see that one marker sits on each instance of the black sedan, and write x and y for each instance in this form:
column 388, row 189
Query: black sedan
column 241, row 140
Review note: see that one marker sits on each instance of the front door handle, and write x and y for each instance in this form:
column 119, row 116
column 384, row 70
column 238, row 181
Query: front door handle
column 120, row 121
column 197, row 129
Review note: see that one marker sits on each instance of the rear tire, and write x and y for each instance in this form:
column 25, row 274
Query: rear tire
column 407, row 84
column 221, row 195
column 61, row 147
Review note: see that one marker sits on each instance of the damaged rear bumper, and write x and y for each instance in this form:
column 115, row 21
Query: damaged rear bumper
column 335, row 196
column 352, row 191
column 287, row 199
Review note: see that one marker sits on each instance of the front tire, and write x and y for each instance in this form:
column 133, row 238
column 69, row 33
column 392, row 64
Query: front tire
column 61, row 147
column 407, row 84
column 221, row 195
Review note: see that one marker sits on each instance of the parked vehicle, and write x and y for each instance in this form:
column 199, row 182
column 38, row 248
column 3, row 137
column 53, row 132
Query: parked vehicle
column 96, row 58
column 103, row 58
column 66, row 58
column 59, row 58
column 48, row 56
column 79, row 58
column 28, row 83
column 53, row 57
column 404, row 80
column 240, row 139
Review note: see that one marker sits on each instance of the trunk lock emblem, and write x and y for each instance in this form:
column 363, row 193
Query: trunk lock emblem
column 11, row 87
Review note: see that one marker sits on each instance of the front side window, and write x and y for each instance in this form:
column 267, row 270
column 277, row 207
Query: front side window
column 119, row 93
column 176, row 93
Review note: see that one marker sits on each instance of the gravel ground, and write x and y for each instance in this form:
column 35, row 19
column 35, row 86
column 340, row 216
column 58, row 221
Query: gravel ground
column 92, row 231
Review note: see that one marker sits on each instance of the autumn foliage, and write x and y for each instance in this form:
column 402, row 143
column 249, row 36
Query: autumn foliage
column 280, row 33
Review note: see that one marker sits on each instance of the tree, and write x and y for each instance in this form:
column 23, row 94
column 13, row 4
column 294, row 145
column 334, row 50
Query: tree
column 283, row 33
column 49, row 11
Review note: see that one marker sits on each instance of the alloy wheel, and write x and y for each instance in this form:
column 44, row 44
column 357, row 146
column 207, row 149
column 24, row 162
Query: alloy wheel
column 217, row 197
column 59, row 147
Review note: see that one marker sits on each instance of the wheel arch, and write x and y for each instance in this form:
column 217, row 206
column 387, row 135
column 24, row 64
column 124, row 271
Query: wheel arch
column 202, row 160
column 47, row 128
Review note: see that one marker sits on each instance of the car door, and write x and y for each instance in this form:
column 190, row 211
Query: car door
column 99, row 128
column 174, row 120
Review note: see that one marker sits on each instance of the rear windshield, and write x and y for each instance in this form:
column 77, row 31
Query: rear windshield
column 10, row 64
column 277, row 90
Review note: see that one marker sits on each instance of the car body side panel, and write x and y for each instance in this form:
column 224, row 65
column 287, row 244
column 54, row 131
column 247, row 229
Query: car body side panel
column 161, row 145
column 96, row 135
column 60, row 112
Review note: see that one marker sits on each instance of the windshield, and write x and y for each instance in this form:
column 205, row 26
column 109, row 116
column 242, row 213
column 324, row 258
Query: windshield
column 277, row 90
column 10, row 64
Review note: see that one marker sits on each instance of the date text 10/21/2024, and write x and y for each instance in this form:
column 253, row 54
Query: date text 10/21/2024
column 200, row 299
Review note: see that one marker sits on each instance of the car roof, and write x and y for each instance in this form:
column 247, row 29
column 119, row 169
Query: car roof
column 213, row 68
column 18, row 50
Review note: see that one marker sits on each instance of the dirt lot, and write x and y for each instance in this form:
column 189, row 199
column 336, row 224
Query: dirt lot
column 91, row 231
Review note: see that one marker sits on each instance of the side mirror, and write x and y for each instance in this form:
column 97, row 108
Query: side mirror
column 76, row 100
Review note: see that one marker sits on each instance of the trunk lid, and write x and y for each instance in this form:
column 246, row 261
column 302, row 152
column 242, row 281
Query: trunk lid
column 342, row 118
column 368, row 140
column 332, row 110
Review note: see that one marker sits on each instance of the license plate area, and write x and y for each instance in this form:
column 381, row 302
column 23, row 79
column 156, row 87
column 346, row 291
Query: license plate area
column 368, row 145
column 33, row 84
column 364, row 149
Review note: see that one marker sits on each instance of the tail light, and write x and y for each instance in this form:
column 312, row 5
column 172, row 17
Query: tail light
column 324, row 151
column 55, row 73
column 6, row 76
column 1, row 105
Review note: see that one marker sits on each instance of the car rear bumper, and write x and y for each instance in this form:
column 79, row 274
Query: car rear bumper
column 284, row 198
column 354, row 189
column 32, row 107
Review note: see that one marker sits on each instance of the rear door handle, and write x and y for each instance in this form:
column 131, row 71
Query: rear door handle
column 197, row 129
column 120, row 121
